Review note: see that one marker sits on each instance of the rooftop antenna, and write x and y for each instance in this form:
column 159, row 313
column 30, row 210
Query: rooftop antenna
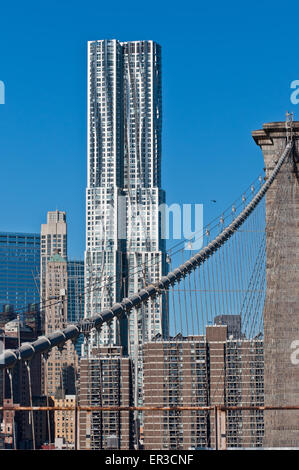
column 289, row 125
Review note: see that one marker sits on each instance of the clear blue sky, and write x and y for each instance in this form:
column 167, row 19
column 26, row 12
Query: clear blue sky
column 227, row 68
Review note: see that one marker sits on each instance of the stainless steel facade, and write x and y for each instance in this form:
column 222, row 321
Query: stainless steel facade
column 124, row 249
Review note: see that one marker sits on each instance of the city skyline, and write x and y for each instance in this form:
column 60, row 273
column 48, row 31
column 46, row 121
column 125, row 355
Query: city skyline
column 216, row 77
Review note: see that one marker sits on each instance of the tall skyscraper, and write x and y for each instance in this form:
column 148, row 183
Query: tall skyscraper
column 53, row 240
column 203, row 371
column 75, row 305
column 124, row 249
column 19, row 270
column 106, row 380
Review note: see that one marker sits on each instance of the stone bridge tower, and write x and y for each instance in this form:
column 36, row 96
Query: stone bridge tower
column 281, row 311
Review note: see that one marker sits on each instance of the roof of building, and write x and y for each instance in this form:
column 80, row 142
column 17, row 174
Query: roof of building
column 57, row 258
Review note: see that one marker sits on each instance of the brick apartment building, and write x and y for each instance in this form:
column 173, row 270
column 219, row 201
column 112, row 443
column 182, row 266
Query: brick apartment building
column 106, row 380
column 203, row 371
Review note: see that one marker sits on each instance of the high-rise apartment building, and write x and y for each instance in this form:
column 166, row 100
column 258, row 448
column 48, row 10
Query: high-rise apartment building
column 75, row 296
column 19, row 270
column 203, row 371
column 124, row 247
column 106, row 381
column 53, row 240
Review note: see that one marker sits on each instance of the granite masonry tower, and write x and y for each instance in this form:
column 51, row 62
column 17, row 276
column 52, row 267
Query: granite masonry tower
column 281, row 310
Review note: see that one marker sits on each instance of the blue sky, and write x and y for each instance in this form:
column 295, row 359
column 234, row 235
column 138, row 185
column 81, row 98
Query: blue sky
column 227, row 68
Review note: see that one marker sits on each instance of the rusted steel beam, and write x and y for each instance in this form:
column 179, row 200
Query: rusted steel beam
column 148, row 408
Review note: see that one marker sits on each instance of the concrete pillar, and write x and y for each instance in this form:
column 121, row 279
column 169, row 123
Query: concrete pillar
column 281, row 311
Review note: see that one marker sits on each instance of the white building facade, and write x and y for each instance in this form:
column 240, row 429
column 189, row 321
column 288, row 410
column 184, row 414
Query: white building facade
column 124, row 249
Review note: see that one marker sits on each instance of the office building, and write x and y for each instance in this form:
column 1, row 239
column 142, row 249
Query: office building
column 19, row 270
column 233, row 323
column 203, row 371
column 61, row 365
column 124, row 247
